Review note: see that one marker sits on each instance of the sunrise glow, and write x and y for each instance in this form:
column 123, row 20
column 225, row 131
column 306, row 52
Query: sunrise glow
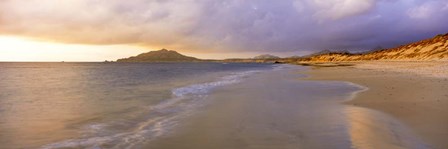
column 23, row 49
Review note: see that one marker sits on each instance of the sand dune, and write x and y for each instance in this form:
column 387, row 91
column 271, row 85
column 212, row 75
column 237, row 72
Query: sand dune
column 426, row 50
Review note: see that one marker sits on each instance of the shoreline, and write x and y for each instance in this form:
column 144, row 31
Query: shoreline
column 412, row 95
column 274, row 109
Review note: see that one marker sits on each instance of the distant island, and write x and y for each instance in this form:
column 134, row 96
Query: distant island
column 162, row 55
column 165, row 55
column 426, row 50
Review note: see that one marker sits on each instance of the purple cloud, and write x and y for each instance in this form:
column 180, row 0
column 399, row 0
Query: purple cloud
column 228, row 25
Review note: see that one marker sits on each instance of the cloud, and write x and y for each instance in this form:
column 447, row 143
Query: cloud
column 100, row 21
column 227, row 25
column 428, row 9
column 337, row 9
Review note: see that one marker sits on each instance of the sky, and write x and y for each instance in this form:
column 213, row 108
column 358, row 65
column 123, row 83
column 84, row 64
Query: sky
column 97, row 30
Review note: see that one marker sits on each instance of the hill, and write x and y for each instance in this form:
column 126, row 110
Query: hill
column 266, row 56
column 163, row 55
column 430, row 49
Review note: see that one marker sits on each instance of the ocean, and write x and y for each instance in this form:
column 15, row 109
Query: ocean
column 52, row 105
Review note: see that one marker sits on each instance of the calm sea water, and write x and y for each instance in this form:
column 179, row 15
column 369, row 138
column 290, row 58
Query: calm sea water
column 53, row 105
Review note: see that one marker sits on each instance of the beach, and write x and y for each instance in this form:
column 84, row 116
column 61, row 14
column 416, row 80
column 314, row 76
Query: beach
column 224, row 74
column 415, row 93
column 220, row 106
column 282, row 109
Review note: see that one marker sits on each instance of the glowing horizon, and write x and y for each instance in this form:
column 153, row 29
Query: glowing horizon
column 18, row 49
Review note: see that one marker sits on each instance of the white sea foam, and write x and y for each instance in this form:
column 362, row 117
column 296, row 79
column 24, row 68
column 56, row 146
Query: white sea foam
column 165, row 116
column 198, row 89
column 355, row 93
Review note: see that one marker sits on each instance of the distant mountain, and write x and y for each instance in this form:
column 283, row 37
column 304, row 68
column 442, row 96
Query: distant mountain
column 430, row 49
column 266, row 56
column 317, row 53
column 163, row 55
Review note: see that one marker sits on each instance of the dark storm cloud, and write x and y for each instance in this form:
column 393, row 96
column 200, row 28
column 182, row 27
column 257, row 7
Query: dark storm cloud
column 228, row 25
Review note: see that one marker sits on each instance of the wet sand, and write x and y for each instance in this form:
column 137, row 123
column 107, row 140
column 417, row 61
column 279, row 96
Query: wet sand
column 413, row 95
column 276, row 110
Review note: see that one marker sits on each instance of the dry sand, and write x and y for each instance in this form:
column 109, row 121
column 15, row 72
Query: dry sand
column 415, row 93
column 437, row 69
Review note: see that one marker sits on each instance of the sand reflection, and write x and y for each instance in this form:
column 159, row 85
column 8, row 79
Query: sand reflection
column 370, row 129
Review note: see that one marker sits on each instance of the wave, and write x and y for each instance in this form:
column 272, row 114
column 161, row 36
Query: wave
column 158, row 120
column 204, row 88
column 359, row 89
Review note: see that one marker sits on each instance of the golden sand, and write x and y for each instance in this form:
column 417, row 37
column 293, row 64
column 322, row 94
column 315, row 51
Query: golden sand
column 416, row 93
